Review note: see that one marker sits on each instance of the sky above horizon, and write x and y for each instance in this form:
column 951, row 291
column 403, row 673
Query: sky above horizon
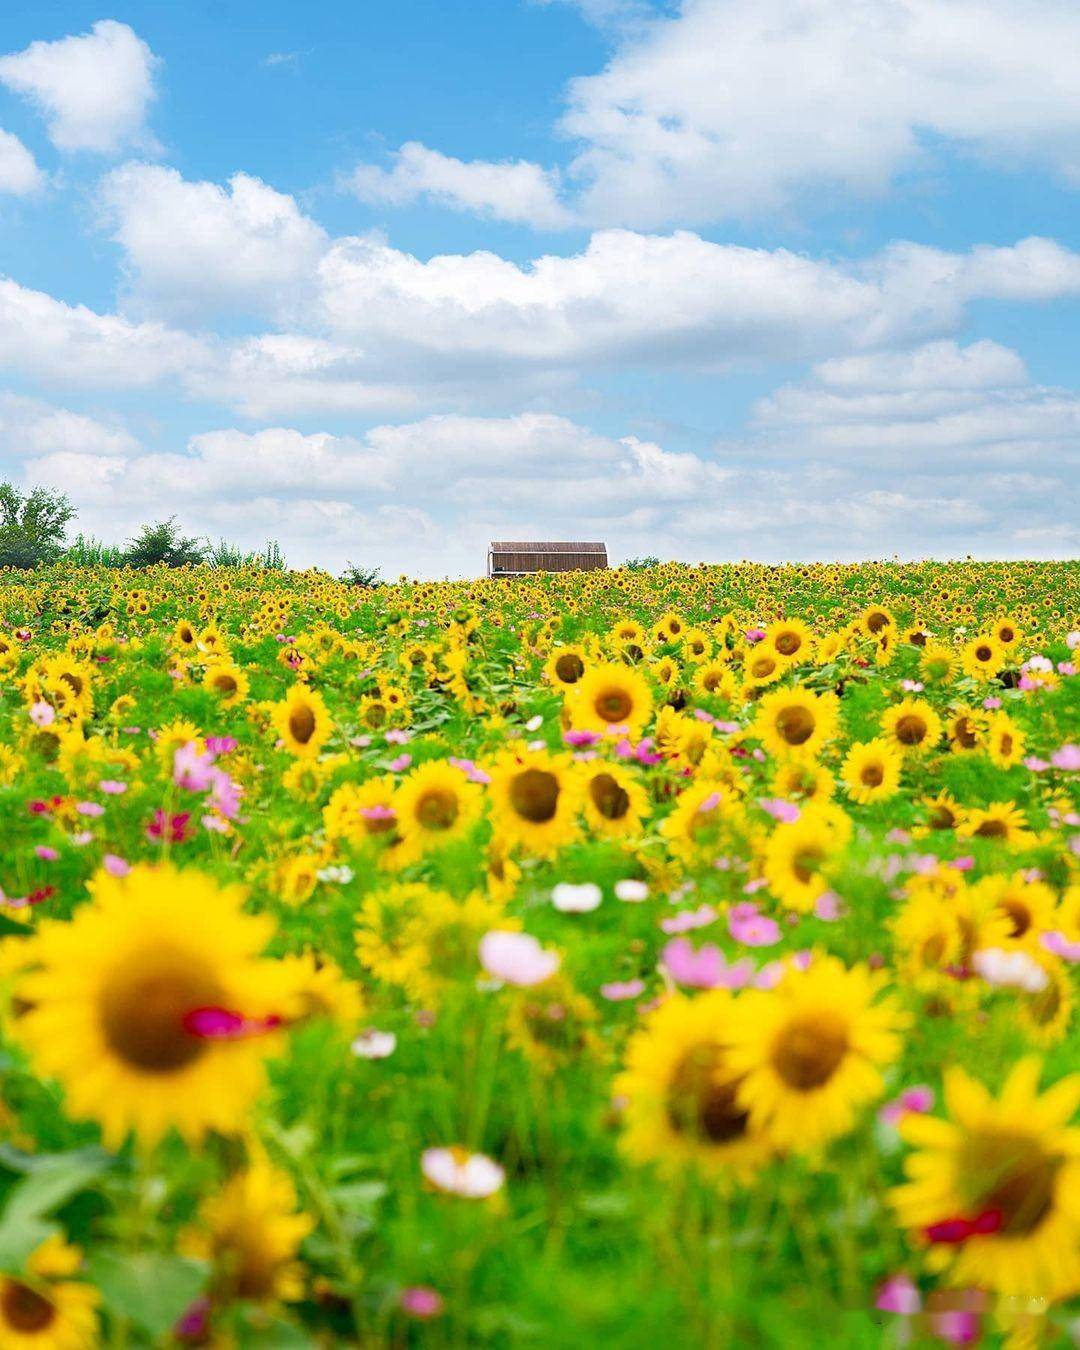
column 707, row 280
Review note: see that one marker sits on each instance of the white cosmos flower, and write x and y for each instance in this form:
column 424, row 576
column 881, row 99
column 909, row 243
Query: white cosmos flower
column 374, row 1044
column 517, row 958
column 570, row 899
column 458, row 1172
column 1014, row 969
column 631, row 891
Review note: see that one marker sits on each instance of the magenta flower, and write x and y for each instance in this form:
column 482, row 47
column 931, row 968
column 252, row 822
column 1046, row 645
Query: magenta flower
column 421, row 1302
column 45, row 853
column 582, row 738
column 917, row 1100
column 618, row 991
column 899, row 1295
column 169, row 829
column 704, row 968
column 752, row 929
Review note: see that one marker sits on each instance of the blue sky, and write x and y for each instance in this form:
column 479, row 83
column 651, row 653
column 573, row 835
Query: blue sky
column 791, row 280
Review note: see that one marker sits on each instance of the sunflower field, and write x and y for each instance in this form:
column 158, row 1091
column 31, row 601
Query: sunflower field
column 680, row 956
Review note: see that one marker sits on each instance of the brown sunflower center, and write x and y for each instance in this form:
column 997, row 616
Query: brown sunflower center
column 701, row 1102
column 225, row 684
column 942, row 817
column 302, row 723
column 787, row 644
column 437, row 809
column 983, row 653
column 1016, row 1177
column 795, row 724
column 872, row 774
column 143, row 1006
column 534, row 795
column 806, row 862
column 1019, row 916
column 911, row 729
column 966, row 734
column 25, row 1310
column 762, row 666
column 614, row 705
column 609, row 797
column 569, row 668
column 876, row 620
column 809, row 1049
column 993, row 828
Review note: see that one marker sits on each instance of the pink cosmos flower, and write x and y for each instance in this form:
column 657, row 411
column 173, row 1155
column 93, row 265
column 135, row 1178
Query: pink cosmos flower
column 115, row 865
column 1068, row 758
column 618, row 991
column 92, row 809
column 689, row 919
column 1035, row 764
column 193, row 769
column 780, row 809
column 704, row 968
column 112, row 787
column 899, row 1295
column 471, row 771
column 400, row 764
column 42, row 714
column 172, row 829
column 582, row 738
column 517, row 958
column 828, row 907
column 45, row 853
column 755, row 634
column 1061, row 946
column 421, row 1302
column 397, row 737
column 221, row 745
column 918, row 1099
column 752, row 929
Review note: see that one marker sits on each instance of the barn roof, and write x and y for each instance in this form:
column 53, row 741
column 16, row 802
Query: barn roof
column 533, row 546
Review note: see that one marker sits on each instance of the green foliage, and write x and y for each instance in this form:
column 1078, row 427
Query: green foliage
column 163, row 543
column 641, row 564
column 32, row 525
column 87, row 551
column 355, row 575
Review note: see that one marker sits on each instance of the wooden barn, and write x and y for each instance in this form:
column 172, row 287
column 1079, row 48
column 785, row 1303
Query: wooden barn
column 523, row 559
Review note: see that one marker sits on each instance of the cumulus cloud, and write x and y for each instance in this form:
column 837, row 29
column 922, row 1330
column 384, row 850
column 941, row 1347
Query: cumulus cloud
column 511, row 190
column 93, row 90
column 724, row 110
column 60, row 344
column 30, row 429
column 19, row 173
column 195, row 248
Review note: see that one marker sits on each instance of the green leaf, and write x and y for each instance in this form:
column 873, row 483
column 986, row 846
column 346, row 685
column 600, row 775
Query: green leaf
column 19, row 1237
column 150, row 1289
column 51, row 1181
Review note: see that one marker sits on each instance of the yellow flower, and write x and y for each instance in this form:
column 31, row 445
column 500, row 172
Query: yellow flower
column 250, row 1233
column 551, row 1024
column 876, row 620
column 363, row 813
column 1029, row 907
column 227, row 681
column 680, row 1091
column 809, row 1053
column 302, row 721
column 435, row 804
column 1004, row 741
column 1010, row 1163
column 114, row 993
column 982, row 657
column 871, row 771
column 535, row 798
column 912, row 725
column 702, row 818
column 1003, row 821
column 791, row 639
column 44, row 1309
column 797, row 855
column 795, row 722
column 611, row 697
column 566, row 666
column 615, row 801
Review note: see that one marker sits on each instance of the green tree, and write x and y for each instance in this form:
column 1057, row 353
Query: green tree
column 32, row 525
column 162, row 542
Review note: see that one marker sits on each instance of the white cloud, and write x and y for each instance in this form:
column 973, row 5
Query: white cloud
column 511, row 190
column 93, row 90
column 30, row 429
column 71, row 345
column 725, row 110
column 19, row 173
column 195, row 248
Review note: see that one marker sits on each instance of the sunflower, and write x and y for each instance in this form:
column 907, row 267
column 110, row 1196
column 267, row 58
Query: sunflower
column 1006, row 632
column 302, row 721
column 937, row 663
column 534, row 800
column 795, row 859
column 611, row 698
column 43, row 1308
column 615, row 801
column 803, row 780
column 1004, row 741
column 566, row 666
column 809, row 1053
column 912, row 725
column 1003, row 821
column 994, row 1190
column 680, row 1093
column 1028, row 906
column 871, row 771
column 791, row 640
column 420, row 939
column 716, row 679
column 227, row 681
column 876, row 620
column 552, row 1024
column 982, row 657
column 250, row 1234
column 119, row 995
column 965, row 729
column 944, row 812
column 701, row 821
column 435, row 805
column 761, row 667
column 795, row 722
column 1047, row 1013
column 363, row 813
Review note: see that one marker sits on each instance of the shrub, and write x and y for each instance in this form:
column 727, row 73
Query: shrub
column 32, row 525
column 162, row 542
